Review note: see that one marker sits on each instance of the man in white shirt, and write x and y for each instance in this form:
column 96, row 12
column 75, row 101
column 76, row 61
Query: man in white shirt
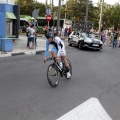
column 28, row 33
column 32, row 35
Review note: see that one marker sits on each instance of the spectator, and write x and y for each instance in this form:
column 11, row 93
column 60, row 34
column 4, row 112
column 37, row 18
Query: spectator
column 103, row 37
column 28, row 34
column 69, row 31
column 32, row 36
column 46, row 29
column 115, row 36
column 66, row 32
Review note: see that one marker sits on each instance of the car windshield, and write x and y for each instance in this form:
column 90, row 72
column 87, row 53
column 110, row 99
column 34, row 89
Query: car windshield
column 88, row 35
column 91, row 36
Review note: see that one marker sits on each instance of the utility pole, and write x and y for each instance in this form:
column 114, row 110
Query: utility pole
column 101, row 16
column 58, row 20
column 87, row 5
column 52, row 6
column 53, row 17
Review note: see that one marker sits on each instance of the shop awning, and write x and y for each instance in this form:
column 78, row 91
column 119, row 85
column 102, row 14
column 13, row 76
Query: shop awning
column 10, row 15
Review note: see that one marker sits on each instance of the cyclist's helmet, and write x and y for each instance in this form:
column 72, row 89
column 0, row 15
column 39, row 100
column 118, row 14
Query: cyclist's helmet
column 49, row 35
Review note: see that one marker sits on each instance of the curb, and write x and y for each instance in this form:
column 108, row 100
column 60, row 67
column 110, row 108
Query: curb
column 23, row 53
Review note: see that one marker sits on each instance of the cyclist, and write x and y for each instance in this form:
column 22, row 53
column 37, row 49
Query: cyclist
column 58, row 49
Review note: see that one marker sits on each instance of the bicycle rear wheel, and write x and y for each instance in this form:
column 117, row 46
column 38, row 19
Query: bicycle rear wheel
column 53, row 75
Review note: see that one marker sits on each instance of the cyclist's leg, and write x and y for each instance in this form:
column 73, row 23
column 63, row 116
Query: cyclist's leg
column 67, row 66
column 63, row 56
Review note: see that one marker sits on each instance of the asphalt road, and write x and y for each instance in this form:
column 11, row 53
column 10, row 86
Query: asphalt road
column 26, row 95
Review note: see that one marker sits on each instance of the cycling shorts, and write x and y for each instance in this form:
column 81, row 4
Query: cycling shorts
column 62, row 51
column 54, row 49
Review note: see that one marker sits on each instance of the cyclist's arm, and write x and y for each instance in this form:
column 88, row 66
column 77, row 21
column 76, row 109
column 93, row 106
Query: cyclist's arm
column 47, row 48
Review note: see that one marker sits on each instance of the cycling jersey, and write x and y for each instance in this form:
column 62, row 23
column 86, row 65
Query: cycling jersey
column 58, row 47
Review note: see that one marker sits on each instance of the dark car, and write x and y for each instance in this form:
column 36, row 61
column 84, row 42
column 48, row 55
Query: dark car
column 82, row 40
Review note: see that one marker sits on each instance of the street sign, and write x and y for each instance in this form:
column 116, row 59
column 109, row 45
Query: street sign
column 48, row 17
column 48, row 11
column 35, row 13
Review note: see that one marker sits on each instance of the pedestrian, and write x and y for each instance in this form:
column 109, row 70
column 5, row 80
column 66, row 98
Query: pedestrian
column 69, row 31
column 66, row 32
column 46, row 29
column 28, row 34
column 103, row 37
column 115, row 36
column 32, row 36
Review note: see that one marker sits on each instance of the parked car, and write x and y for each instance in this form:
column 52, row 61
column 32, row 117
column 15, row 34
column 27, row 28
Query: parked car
column 82, row 40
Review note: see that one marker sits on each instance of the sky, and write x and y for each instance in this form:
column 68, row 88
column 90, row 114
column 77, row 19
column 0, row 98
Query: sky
column 94, row 1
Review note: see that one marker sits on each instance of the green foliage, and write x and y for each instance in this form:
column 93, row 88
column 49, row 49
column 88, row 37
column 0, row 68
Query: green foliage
column 111, row 17
column 76, row 10
column 27, row 7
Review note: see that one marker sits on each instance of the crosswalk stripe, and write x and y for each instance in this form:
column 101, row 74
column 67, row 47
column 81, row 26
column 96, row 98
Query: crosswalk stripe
column 89, row 110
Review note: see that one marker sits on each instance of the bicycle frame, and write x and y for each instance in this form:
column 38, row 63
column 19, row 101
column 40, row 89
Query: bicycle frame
column 56, row 64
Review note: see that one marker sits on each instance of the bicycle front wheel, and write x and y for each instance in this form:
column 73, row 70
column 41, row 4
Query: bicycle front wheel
column 53, row 75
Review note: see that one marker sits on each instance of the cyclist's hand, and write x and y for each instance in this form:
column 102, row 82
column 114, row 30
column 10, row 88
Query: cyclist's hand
column 44, row 59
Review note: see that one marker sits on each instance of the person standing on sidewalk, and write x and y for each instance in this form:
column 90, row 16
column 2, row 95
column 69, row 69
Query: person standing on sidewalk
column 66, row 32
column 69, row 31
column 28, row 34
column 115, row 36
column 103, row 37
column 32, row 37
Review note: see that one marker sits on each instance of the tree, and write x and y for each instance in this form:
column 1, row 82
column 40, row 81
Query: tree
column 111, row 17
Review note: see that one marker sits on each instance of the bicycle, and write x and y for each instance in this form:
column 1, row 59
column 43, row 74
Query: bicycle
column 56, row 70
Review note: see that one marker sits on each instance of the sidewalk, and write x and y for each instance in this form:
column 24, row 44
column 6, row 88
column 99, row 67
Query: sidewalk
column 20, row 47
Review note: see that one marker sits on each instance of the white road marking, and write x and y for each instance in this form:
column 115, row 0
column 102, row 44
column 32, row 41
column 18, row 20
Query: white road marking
column 89, row 110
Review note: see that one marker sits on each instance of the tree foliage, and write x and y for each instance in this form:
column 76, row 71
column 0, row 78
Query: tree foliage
column 76, row 10
column 111, row 17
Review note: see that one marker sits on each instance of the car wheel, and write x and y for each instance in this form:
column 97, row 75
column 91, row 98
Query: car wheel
column 69, row 42
column 80, row 45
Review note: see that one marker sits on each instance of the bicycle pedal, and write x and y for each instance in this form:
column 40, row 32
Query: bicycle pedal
column 53, row 75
